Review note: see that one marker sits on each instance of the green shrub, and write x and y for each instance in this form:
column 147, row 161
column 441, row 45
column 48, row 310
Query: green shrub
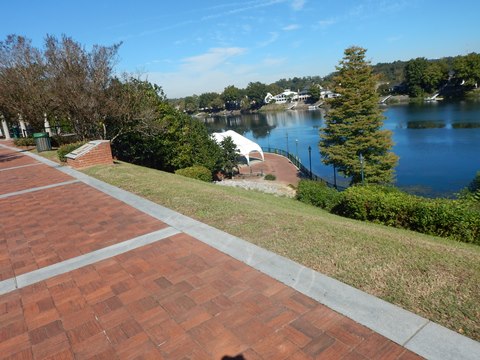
column 270, row 177
column 67, row 148
column 196, row 172
column 318, row 194
column 26, row 141
column 390, row 206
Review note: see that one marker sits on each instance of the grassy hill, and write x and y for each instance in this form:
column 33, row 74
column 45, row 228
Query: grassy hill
column 433, row 277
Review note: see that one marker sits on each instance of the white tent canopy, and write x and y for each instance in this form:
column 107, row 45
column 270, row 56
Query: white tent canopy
column 244, row 145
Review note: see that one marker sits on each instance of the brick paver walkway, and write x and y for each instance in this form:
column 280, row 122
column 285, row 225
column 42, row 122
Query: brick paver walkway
column 284, row 171
column 176, row 298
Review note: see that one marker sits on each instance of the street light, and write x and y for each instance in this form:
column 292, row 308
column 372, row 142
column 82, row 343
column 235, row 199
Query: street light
column 334, row 177
column 288, row 152
column 268, row 139
column 296, row 149
column 310, row 160
column 361, row 164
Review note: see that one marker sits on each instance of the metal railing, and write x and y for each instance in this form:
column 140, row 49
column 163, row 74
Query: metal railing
column 302, row 168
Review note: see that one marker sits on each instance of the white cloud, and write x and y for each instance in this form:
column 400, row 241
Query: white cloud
column 213, row 72
column 396, row 38
column 248, row 6
column 272, row 39
column 269, row 61
column 298, row 4
column 325, row 23
column 211, row 59
column 291, row 27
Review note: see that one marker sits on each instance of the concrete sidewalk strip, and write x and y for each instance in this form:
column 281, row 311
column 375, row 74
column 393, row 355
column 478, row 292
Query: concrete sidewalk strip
column 437, row 342
column 7, row 285
column 20, row 166
column 21, row 192
column 66, row 266
column 403, row 327
column 387, row 319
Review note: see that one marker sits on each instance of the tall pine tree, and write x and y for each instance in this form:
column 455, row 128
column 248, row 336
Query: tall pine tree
column 353, row 124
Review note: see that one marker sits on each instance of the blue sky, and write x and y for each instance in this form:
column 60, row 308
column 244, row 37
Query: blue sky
column 192, row 47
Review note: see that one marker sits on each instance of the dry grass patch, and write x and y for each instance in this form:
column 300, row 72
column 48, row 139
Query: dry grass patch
column 433, row 277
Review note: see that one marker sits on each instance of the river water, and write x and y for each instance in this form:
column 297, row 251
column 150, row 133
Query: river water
column 438, row 142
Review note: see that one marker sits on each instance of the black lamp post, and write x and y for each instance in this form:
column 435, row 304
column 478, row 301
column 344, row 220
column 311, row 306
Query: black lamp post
column 296, row 149
column 288, row 152
column 334, row 177
column 310, row 160
column 268, row 139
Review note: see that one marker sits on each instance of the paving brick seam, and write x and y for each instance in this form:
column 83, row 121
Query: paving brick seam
column 420, row 335
column 39, row 188
column 20, row 166
column 75, row 263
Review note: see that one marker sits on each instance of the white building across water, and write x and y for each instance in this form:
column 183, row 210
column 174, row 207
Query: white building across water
column 285, row 96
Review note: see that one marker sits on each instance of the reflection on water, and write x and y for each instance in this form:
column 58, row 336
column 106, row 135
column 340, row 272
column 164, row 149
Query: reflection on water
column 438, row 143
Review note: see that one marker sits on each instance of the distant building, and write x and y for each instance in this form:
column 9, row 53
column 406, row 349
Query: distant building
column 286, row 96
column 289, row 95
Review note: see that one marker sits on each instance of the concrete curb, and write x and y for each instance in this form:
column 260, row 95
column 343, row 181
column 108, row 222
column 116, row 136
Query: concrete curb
column 415, row 333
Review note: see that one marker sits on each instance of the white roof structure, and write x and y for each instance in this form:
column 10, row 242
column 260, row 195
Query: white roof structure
column 244, row 145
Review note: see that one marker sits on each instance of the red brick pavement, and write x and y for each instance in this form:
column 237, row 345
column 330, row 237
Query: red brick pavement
column 30, row 177
column 174, row 299
column 10, row 159
column 284, row 171
column 177, row 299
column 45, row 227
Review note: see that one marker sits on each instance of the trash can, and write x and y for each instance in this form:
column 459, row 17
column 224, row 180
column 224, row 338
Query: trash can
column 42, row 141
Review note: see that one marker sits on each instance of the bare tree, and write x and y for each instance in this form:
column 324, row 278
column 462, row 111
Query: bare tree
column 134, row 105
column 22, row 81
column 79, row 81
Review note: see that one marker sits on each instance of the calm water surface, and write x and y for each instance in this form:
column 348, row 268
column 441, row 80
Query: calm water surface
column 438, row 143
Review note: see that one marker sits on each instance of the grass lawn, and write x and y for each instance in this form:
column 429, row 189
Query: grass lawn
column 433, row 277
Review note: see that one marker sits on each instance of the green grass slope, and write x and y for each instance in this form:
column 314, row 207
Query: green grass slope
column 433, row 277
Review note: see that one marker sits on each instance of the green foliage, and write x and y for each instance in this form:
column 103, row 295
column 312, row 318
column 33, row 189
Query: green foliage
column 391, row 72
column 196, row 172
column 63, row 150
column 210, row 100
column 26, row 141
column 318, row 194
column 471, row 194
column 229, row 155
column 270, row 177
column 468, row 68
column 59, row 140
column 475, row 184
column 173, row 141
column 297, row 83
column 424, row 76
column 256, row 92
column 354, row 122
column 392, row 207
column 232, row 96
column 314, row 91
column 191, row 104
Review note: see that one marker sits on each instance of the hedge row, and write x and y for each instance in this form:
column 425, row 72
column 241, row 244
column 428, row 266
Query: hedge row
column 55, row 140
column 196, row 172
column 67, row 148
column 318, row 194
column 454, row 219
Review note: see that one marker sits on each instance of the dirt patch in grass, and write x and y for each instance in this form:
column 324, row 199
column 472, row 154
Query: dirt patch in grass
column 433, row 277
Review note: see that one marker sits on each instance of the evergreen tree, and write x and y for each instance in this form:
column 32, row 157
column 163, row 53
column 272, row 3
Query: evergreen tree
column 353, row 124
column 230, row 154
